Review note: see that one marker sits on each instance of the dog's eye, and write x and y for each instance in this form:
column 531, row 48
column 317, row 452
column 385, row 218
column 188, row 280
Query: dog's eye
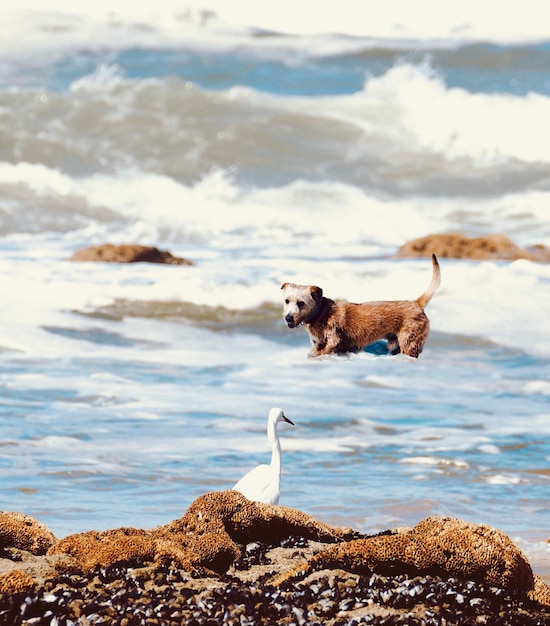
column 287, row 301
column 300, row 305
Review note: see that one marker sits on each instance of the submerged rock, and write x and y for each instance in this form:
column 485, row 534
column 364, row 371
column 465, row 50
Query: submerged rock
column 128, row 253
column 457, row 246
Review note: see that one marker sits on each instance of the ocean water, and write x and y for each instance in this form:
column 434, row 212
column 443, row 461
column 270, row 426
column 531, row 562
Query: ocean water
column 270, row 145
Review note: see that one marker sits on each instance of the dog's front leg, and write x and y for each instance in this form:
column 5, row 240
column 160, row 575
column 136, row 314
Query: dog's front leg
column 318, row 345
column 321, row 346
column 315, row 350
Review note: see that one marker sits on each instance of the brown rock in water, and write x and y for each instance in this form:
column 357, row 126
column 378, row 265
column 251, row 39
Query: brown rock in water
column 18, row 530
column 457, row 246
column 128, row 253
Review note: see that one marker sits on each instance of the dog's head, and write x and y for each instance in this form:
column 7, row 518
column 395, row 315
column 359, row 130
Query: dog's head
column 300, row 303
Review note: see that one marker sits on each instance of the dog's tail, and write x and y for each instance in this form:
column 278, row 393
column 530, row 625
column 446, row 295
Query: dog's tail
column 433, row 286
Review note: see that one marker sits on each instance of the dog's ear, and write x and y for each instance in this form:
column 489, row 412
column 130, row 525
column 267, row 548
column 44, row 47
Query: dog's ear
column 316, row 293
column 284, row 285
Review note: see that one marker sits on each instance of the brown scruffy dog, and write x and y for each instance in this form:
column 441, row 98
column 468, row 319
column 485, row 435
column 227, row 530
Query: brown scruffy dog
column 338, row 327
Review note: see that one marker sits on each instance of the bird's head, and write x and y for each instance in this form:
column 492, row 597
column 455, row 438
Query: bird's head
column 276, row 415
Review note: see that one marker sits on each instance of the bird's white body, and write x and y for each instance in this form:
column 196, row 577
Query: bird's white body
column 263, row 483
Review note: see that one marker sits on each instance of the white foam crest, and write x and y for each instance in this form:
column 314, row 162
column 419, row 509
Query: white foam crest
column 506, row 479
column 435, row 461
column 37, row 177
column 418, row 110
column 489, row 448
column 215, row 207
column 59, row 441
column 410, row 109
column 103, row 76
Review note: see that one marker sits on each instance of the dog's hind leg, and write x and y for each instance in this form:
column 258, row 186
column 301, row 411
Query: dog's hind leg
column 411, row 348
column 413, row 337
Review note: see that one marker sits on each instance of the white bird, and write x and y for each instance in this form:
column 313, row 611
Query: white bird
column 262, row 484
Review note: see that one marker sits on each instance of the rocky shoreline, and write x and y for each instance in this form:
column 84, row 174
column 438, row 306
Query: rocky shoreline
column 120, row 595
column 232, row 561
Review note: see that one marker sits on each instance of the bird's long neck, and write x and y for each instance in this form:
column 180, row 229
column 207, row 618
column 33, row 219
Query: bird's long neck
column 275, row 448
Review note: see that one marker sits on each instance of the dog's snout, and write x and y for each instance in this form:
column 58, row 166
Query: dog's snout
column 289, row 319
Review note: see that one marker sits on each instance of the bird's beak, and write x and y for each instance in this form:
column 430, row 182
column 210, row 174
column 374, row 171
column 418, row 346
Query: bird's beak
column 287, row 420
